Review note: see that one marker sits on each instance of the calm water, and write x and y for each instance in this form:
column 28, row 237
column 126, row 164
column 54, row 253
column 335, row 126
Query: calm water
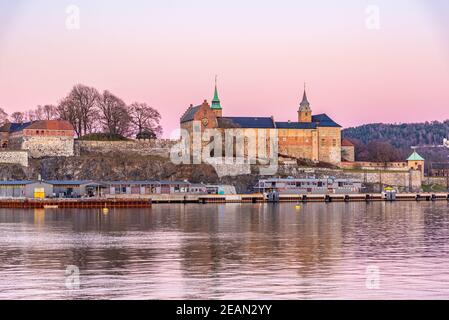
column 355, row 250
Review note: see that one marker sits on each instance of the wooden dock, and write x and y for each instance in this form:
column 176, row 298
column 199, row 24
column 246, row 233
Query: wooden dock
column 147, row 201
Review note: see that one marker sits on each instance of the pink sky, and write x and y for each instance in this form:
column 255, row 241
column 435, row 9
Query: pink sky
column 166, row 53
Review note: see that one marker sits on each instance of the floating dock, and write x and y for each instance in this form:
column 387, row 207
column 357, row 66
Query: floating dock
column 146, row 202
column 305, row 198
column 74, row 203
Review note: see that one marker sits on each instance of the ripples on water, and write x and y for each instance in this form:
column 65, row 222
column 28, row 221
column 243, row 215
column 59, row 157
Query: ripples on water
column 231, row 251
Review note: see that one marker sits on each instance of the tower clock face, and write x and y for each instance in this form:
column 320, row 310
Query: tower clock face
column 205, row 122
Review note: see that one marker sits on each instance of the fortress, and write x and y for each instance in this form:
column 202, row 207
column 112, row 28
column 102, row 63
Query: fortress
column 312, row 137
column 43, row 138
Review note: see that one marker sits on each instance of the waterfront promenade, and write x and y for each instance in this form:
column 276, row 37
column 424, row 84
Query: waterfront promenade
column 147, row 201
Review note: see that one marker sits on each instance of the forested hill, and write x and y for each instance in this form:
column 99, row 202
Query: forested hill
column 401, row 135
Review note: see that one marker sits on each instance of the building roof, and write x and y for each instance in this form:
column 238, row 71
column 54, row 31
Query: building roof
column 296, row 125
column 14, row 127
column 130, row 182
column 51, row 125
column 16, row 182
column 174, row 182
column 415, row 157
column 323, row 120
column 69, row 182
column 189, row 115
column 246, row 122
column 346, row 143
column 19, row 182
column 40, row 124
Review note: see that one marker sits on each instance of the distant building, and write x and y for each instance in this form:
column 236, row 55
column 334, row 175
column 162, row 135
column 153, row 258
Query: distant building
column 44, row 138
column 312, row 137
column 25, row 189
column 416, row 162
column 131, row 187
column 309, row 185
column 439, row 169
column 347, row 151
column 75, row 188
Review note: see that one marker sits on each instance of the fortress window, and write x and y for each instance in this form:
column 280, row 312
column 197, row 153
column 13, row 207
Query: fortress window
column 334, row 142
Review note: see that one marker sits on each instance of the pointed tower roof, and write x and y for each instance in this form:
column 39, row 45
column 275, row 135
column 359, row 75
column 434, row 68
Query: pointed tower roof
column 305, row 102
column 415, row 157
column 216, row 104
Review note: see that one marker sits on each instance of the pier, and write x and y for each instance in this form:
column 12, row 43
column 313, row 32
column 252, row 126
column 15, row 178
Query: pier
column 148, row 201
column 304, row 198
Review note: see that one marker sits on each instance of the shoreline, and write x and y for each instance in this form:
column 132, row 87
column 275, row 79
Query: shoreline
column 147, row 202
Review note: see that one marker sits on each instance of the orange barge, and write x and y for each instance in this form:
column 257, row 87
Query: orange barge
column 74, row 203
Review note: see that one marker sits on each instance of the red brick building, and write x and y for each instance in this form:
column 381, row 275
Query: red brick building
column 41, row 138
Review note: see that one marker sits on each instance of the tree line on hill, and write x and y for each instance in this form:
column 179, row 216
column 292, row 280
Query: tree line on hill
column 95, row 114
column 393, row 142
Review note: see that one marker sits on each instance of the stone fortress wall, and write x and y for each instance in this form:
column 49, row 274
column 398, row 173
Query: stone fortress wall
column 14, row 157
column 40, row 147
column 160, row 147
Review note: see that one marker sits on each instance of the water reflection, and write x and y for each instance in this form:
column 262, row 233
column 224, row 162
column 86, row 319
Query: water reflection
column 228, row 251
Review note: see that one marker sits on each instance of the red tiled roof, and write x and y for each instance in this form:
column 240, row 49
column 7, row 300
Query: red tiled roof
column 346, row 143
column 51, row 125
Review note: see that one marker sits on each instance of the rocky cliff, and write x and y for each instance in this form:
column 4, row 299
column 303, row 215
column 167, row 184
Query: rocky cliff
column 121, row 166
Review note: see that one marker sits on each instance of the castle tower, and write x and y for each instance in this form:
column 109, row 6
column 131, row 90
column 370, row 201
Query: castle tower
column 304, row 112
column 216, row 105
column 416, row 162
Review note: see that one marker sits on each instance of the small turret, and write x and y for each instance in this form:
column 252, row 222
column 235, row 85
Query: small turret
column 416, row 162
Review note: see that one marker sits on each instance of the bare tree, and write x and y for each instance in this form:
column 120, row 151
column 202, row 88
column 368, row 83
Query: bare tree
column 67, row 111
column 49, row 112
column 3, row 116
column 114, row 114
column 79, row 108
column 145, row 121
column 30, row 115
column 17, row 117
column 38, row 113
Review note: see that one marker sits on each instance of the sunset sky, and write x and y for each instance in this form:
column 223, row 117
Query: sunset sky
column 167, row 53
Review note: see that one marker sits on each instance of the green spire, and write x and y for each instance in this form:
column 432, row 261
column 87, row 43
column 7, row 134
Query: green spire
column 415, row 157
column 216, row 100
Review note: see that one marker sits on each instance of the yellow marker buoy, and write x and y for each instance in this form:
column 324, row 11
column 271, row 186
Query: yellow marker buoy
column 105, row 210
column 298, row 207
